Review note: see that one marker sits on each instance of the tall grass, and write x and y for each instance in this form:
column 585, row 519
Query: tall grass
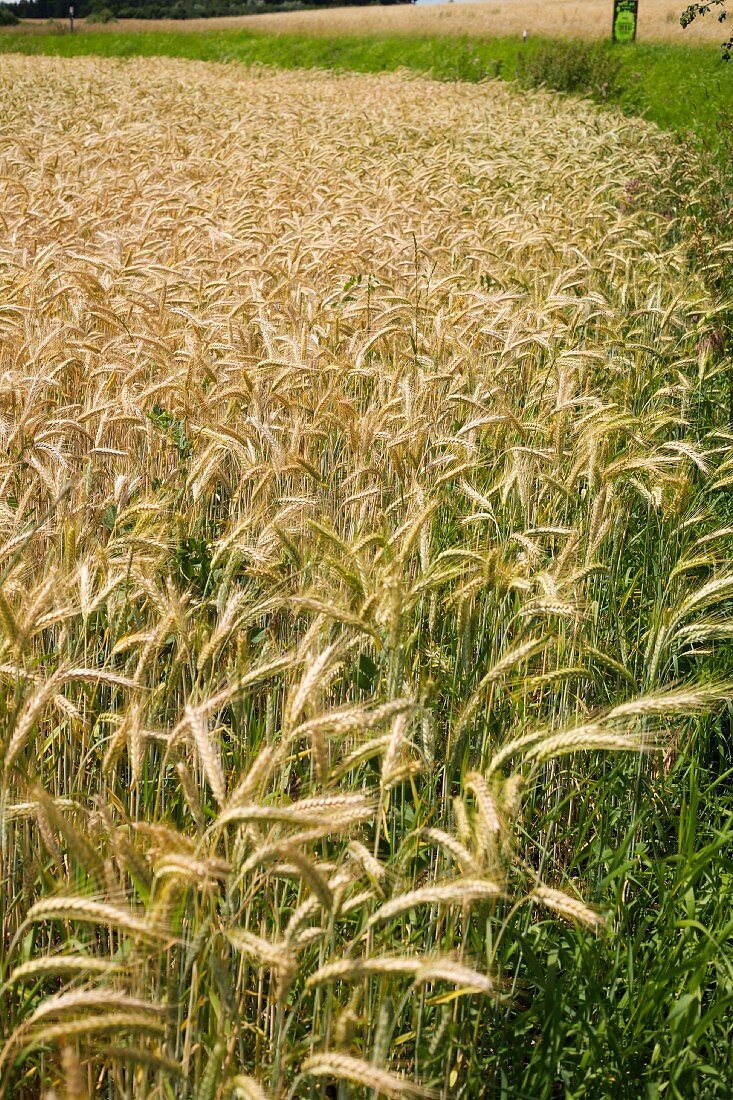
column 365, row 593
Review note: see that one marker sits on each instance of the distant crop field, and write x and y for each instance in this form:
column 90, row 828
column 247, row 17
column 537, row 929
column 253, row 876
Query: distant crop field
column 361, row 575
column 659, row 21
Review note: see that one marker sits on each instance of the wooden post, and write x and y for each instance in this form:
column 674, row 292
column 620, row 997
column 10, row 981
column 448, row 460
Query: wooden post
column 625, row 18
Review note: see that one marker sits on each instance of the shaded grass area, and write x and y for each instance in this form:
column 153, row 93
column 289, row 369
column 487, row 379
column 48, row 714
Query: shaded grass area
column 679, row 88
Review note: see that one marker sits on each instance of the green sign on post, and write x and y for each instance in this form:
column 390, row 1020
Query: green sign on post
column 625, row 14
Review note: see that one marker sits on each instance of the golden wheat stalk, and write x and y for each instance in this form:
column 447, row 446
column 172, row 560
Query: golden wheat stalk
column 86, row 910
column 424, row 969
column 344, row 1067
column 457, row 892
column 569, row 907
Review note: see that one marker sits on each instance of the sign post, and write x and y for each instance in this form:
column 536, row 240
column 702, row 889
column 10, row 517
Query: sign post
column 71, row 18
column 625, row 16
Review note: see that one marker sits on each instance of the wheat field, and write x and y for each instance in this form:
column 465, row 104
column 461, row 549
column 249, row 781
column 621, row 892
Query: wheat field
column 659, row 21
column 355, row 518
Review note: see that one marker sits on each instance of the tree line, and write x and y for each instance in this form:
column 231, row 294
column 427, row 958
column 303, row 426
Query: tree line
column 169, row 9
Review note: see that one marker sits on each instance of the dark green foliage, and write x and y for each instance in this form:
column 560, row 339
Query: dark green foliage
column 176, row 9
column 585, row 68
column 7, row 17
column 643, row 1011
column 694, row 10
column 194, row 561
column 104, row 15
column 172, row 427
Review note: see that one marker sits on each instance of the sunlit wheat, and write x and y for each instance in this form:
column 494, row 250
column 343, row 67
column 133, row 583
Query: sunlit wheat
column 354, row 512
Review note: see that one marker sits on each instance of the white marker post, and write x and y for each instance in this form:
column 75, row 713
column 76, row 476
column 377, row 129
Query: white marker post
column 71, row 19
